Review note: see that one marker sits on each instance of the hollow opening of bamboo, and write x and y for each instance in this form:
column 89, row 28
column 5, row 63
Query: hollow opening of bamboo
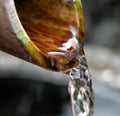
column 52, row 26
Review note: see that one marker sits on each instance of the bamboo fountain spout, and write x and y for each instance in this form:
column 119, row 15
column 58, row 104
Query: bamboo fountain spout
column 50, row 33
column 43, row 35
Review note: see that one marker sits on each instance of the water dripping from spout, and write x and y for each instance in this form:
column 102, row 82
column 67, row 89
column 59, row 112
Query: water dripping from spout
column 80, row 87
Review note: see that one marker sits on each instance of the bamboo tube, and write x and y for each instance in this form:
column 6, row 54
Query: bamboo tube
column 41, row 31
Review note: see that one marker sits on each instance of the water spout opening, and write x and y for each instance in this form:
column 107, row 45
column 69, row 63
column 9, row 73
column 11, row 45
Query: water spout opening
column 48, row 25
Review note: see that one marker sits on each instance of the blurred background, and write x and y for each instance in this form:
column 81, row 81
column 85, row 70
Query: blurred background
column 26, row 90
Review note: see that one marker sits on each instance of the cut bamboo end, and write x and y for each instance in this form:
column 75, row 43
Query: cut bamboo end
column 42, row 32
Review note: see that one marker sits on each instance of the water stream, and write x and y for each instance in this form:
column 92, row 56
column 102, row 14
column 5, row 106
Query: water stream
column 82, row 97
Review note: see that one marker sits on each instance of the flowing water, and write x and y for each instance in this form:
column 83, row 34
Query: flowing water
column 82, row 96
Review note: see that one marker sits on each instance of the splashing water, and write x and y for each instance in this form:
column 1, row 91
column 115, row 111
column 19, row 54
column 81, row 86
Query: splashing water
column 82, row 96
